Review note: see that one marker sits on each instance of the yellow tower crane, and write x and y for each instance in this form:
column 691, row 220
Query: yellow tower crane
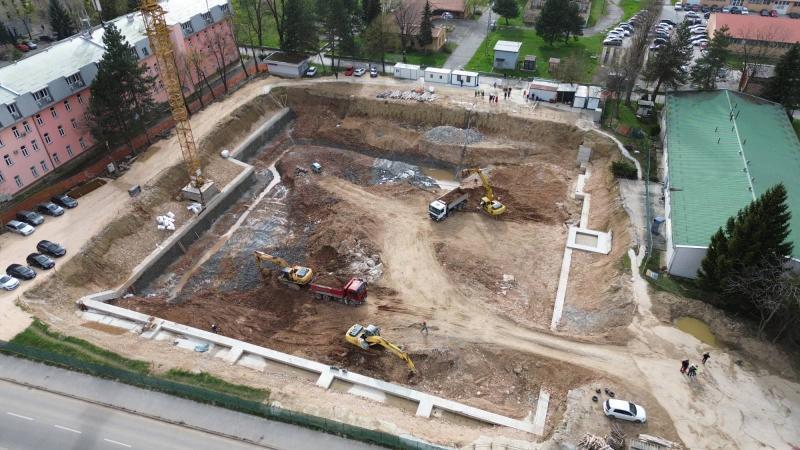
column 158, row 34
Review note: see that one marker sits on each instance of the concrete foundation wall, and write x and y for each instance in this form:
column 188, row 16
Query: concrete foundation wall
column 686, row 261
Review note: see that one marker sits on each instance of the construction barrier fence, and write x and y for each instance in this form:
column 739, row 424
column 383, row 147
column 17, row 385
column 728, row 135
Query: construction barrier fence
column 215, row 398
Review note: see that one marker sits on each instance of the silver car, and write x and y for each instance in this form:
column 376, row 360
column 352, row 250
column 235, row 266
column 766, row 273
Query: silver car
column 15, row 226
column 8, row 283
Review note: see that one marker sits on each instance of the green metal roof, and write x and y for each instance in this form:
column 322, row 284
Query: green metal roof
column 724, row 149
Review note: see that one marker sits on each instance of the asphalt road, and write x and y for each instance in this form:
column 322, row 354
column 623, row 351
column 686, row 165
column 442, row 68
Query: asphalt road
column 37, row 420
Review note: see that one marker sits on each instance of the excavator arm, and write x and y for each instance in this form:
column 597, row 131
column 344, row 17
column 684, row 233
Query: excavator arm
column 397, row 351
column 490, row 205
column 293, row 275
column 280, row 262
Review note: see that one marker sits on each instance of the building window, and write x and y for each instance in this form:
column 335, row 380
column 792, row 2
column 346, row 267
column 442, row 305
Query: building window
column 74, row 123
column 44, row 166
column 47, row 138
column 27, row 126
column 39, row 119
column 35, row 145
column 80, row 99
column 56, row 159
column 145, row 52
column 24, row 151
column 187, row 27
column 66, row 105
column 53, row 111
column 1, row 178
column 18, row 180
column 42, row 96
column 83, row 143
column 12, row 109
column 34, row 172
column 69, row 151
column 60, row 130
column 75, row 81
column 16, row 132
column 224, row 7
column 207, row 17
column 134, row 53
column 8, row 160
column 2, row 144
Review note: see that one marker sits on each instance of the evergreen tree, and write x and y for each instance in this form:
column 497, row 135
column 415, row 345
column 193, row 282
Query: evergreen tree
column 5, row 36
column 756, row 234
column 425, row 36
column 669, row 66
column 572, row 22
column 60, row 20
column 121, row 103
column 705, row 71
column 380, row 38
column 338, row 19
column 372, row 9
column 301, row 28
column 784, row 88
column 508, row 9
column 111, row 9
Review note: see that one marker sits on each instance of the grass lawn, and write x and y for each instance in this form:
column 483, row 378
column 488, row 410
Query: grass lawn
column 586, row 48
column 598, row 8
column 207, row 381
column 629, row 8
column 436, row 59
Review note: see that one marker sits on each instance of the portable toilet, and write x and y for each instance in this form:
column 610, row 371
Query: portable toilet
column 464, row 78
column 407, row 71
column 581, row 94
column 437, row 75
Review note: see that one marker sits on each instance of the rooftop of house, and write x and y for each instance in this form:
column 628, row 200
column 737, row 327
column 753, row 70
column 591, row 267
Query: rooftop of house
column 724, row 150
column 66, row 57
column 507, row 46
column 757, row 28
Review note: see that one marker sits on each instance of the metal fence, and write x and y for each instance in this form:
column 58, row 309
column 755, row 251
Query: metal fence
column 216, row 398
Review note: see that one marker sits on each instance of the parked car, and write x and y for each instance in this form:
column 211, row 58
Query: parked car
column 41, row 261
column 700, row 43
column 8, row 282
column 764, row 13
column 50, row 248
column 706, row 15
column 373, row 72
column 735, row 10
column 447, row 15
column 715, row 8
column 360, row 72
column 311, row 72
column 15, row 226
column 655, row 47
column 668, row 22
column 726, row 9
column 46, row 38
column 745, row 11
column 659, row 41
column 64, row 201
column 348, row 71
column 621, row 409
column 794, row 15
column 696, row 8
column 614, row 42
column 22, row 47
column 678, row 7
column 30, row 217
column 20, row 272
column 50, row 209
column 31, row 45
column 773, row 13
column 705, row 9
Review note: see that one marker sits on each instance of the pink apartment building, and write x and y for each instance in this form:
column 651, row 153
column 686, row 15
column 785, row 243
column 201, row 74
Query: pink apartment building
column 44, row 97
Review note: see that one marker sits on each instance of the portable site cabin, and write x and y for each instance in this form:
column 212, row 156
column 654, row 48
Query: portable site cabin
column 541, row 90
column 506, row 54
column 289, row 65
column 581, row 94
column 407, row 71
column 464, row 78
column 437, row 75
column 593, row 97
column 566, row 92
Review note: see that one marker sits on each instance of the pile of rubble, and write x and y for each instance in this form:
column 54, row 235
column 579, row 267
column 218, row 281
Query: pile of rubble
column 453, row 135
column 418, row 95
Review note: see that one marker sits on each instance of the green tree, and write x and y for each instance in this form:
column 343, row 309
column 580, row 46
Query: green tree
column 425, row 35
column 5, row 36
column 60, row 20
column 121, row 103
column 338, row 19
column 371, row 10
column 380, row 38
column 705, row 71
column 301, row 28
column 23, row 11
column 755, row 234
column 669, row 67
column 559, row 19
column 508, row 9
column 111, row 9
column 784, row 88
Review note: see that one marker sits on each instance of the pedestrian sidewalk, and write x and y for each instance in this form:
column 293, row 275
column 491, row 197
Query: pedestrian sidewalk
column 171, row 409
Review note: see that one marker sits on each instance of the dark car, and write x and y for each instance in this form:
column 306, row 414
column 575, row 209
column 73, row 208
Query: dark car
column 715, row 8
column 705, row 9
column 736, row 10
column 46, row 38
column 20, row 272
column 706, row 15
column 50, row 209
column 51, row 248
column 669, row 22
column 30, row 217
column 41, row 261
column 65, row 201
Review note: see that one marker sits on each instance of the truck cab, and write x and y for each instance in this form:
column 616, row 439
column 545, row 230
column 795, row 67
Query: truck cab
column 355, row 290
column 437, row 210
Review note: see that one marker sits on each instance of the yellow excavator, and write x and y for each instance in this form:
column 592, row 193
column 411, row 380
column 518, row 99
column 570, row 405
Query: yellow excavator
column 369, row 336
column 291, row 275
column 489, row 203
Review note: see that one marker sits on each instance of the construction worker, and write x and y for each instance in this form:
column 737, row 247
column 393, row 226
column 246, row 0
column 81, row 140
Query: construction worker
column 706, row 355
column 684, row 366
column 424, row 328
column 214, row 328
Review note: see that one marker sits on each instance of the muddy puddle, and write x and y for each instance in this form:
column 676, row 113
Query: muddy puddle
column 698, row 329
column 438, row 174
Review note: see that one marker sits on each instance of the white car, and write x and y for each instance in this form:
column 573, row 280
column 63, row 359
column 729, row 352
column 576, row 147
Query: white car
column 8, row 283
column 745, row 11
column 621, row 409
column 311, row 72
column 678, row 7
column 15, row 226
column 360, row 72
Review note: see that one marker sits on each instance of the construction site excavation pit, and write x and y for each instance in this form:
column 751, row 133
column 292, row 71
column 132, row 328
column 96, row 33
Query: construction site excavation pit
column 475, row 280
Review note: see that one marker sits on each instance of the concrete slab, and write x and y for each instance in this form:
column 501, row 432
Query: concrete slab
column 599, row 241
column 368, row 393
column 561, row 291
column 234, row 354
column 325, row 380
column 541, row 412
column 253, row 362
column 424, row 409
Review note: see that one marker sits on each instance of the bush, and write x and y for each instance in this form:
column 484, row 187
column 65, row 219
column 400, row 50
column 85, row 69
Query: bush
column 624, row 169
column 447, row 48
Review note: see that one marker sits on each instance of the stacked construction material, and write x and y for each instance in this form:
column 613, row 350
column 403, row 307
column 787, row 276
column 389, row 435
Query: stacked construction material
column 166, row 222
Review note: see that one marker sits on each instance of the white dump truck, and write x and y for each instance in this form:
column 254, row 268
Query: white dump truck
column 447, row 203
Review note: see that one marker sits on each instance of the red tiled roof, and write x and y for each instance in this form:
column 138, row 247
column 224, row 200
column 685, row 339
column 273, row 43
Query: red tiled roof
column 757, row 28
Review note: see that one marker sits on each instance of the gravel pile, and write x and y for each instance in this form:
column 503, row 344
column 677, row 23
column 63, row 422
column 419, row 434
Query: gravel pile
column 453, row 135
column 415, row 95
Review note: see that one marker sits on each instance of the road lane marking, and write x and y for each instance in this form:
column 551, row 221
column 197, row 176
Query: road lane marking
column 117, row 442
column 21, row 417
column 67, row 429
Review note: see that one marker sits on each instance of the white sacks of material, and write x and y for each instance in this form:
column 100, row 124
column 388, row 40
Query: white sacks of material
column 195, row 208
column 166, row 222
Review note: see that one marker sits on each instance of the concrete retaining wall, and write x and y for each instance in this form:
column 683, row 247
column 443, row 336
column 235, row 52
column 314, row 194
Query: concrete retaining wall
column 259, row 138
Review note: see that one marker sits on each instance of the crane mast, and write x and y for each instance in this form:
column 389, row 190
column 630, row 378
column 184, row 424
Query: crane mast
column 158, row 33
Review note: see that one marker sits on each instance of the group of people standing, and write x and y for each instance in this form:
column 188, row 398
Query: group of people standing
column 690, row 369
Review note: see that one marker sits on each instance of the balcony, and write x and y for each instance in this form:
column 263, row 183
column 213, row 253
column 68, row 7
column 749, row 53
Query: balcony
column 44, row 100
column 75, row 85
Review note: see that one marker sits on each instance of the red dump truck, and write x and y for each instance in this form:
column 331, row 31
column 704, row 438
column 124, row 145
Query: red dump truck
column 354, row 292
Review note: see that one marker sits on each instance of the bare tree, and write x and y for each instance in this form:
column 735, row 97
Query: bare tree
column 753, row 51
column 277, row 8
column 635, row 54
column 571, row 69
column 406, row 17
column 251, row 18
column 219, row 42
